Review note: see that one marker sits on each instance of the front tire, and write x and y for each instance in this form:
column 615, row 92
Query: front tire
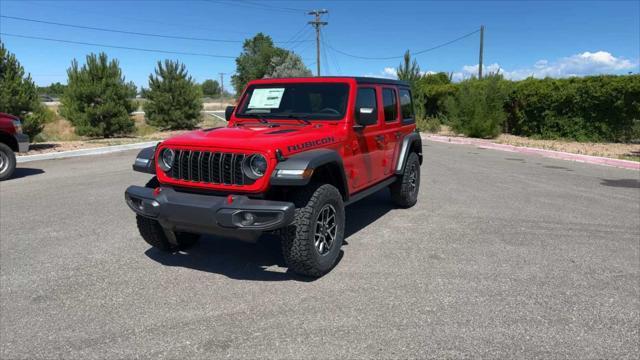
column 404, row 192
column 7, row 162
column 311, row 245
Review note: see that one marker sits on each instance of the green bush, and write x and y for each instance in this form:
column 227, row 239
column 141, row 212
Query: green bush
column 19, row 94
column 33, row 123
column 174, row 100
column 594, row 108
column 428, row 124
column 476, row 109
column 97, row 99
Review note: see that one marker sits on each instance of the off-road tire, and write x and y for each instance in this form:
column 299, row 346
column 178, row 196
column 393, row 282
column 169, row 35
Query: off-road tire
column 298, row 248
column 404, row 192
column 153, row 233
column 9, row 163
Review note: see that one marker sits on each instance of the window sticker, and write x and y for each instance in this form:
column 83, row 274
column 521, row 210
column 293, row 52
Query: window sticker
column 266, row 98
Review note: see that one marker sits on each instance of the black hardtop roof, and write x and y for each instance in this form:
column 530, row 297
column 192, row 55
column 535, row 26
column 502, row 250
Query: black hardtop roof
column 358, row 79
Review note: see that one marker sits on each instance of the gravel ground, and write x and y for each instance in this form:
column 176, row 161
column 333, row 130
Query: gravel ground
column 505, row 256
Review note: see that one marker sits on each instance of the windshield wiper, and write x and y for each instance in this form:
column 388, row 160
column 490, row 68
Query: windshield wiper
column 301, row 117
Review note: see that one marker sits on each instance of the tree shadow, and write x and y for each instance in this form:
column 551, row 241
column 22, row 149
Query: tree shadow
column 263, row 260
column 625, row 183
column 21, row 172
column 43, row 146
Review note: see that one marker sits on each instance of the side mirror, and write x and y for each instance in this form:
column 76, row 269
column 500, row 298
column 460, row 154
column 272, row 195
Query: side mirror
column 366, row 116
column 228, row 111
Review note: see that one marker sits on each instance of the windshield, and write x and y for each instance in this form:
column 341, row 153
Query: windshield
column 304, row 101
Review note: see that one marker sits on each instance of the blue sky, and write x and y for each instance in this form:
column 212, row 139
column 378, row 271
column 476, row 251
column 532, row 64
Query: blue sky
column 522, row 38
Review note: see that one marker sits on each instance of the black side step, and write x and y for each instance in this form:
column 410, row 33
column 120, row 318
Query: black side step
column 368, row 191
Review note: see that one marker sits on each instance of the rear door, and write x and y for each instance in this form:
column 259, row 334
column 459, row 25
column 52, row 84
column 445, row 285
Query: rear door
column 391, row 111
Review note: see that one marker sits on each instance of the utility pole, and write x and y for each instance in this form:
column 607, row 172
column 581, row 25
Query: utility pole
column 317, row 23
column 481, row 51
column 221, row 87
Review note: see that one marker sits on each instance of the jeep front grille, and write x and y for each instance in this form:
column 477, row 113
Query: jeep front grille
column 209, row 167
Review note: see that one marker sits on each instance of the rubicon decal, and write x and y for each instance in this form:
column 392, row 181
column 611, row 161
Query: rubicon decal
column 310, row 144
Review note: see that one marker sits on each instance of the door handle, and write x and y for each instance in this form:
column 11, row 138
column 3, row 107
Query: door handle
column 379, row 138
column 398, row 134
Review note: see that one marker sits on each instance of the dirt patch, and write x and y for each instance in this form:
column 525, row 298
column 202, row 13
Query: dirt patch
column 610, row 150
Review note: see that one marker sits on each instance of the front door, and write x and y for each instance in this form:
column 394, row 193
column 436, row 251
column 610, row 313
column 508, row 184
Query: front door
column 367, row 144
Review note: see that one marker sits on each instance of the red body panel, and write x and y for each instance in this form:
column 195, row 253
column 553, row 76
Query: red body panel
column 369, row 156
column 6, row 123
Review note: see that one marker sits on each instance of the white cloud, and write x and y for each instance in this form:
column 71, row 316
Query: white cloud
column 586, row 63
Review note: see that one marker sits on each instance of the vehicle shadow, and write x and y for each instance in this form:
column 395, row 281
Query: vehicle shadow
column 21, row 172
column 263, row 260
column 626, row 183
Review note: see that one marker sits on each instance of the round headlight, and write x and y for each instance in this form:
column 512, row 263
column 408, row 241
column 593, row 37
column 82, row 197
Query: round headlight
column 167, row 156
column 257, row 165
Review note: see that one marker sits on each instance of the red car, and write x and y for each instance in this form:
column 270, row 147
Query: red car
column 12, row 140
column 295, row 152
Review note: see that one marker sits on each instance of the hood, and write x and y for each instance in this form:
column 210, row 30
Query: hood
column 260, row 137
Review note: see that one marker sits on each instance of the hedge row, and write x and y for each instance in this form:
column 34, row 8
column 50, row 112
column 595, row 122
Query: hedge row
column 595, row 108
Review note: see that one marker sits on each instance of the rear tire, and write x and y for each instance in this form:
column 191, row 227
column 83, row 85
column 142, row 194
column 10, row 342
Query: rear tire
column 155, row 235
column 7, row 162
column 404, row 192
column 311, row 244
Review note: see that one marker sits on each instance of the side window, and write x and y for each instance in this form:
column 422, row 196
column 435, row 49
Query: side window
column 366, row 109
column 406, row 104
column 366, row 98
column 390, row 104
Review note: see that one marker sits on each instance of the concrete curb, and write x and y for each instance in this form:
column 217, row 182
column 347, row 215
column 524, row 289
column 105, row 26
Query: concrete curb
column 486, row 144
column 84, row 152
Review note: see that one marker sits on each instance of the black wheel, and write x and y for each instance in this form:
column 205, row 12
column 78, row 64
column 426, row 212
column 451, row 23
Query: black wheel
column 311, row 245
column 7, row 162
column 153, row 233
column 404, row 191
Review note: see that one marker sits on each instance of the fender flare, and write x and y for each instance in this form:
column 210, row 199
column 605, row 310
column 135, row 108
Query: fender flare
column 410, row 141
column 146, row 161
column 300, row 162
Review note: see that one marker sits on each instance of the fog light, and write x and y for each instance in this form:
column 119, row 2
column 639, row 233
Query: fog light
column 247, row 219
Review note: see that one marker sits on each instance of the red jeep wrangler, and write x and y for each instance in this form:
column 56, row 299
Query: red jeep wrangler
column 294, row 154
column 11, row 140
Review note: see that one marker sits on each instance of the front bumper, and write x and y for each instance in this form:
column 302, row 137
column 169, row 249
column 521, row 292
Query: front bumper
column 207, row 214
column 23, row 142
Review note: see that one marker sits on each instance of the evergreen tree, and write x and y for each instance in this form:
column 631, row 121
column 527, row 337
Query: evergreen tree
column 97, row 100
column 19, row 94
column 174, row 99
column 210, row 88
column 289, row 66
column 409, row 70
column 255, row 60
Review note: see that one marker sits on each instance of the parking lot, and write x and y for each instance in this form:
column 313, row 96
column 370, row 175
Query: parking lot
column 505, row 255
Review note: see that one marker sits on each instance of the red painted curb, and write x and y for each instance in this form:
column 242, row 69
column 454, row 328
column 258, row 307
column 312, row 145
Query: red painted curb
column 486, row 144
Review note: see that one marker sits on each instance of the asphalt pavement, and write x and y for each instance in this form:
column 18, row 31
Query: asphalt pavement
column 504, row 256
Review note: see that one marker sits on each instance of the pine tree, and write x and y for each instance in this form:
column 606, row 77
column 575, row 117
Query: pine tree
column 19, row 94
column 97, row 100
column 174, row 99
column 409, row 70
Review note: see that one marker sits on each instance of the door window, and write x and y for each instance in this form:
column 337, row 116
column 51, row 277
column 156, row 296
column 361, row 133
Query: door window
column 406, row 105
column 390, row 104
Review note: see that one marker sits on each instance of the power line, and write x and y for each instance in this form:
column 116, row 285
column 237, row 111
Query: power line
column 130, row 32
column 273, row 6
column 401, row 56
column 261, row 6
column 119, row 47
